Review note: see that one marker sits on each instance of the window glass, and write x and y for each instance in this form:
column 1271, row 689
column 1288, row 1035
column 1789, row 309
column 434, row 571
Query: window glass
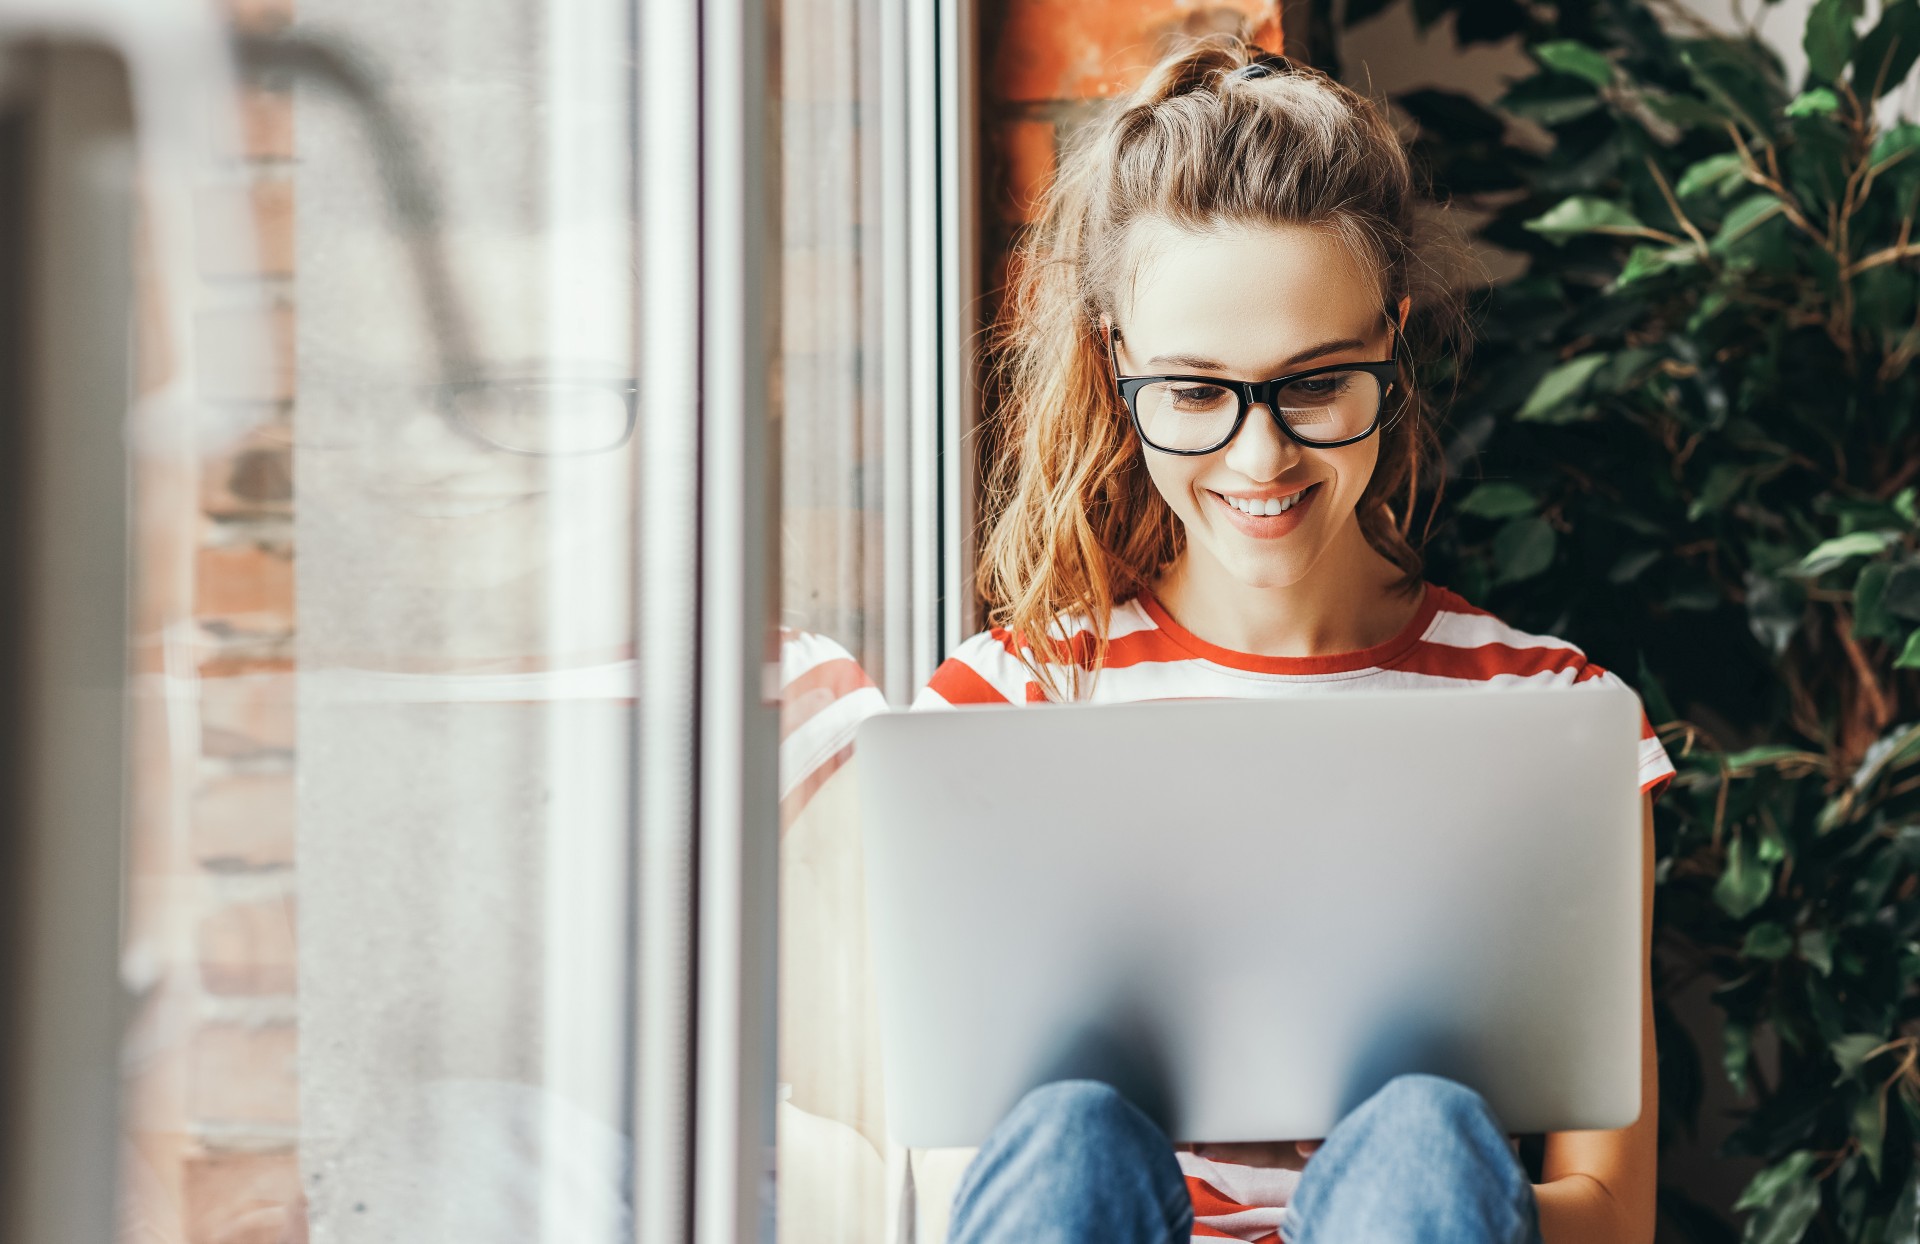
column 380, row 924
column 839, row 605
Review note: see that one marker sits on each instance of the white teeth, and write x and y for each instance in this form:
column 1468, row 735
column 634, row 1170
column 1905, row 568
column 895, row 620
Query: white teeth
column 1266, row 508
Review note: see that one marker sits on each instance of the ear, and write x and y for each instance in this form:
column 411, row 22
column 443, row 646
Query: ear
column 1406, row 304
column 1109, row 335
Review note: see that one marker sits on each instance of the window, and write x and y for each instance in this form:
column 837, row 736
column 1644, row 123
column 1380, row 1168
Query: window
column 508, row 568
column 507, row 573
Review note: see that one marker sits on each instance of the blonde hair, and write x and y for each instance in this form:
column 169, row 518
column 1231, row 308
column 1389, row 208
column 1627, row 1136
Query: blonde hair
column 1074, row 523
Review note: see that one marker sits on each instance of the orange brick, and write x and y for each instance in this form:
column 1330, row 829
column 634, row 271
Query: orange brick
column 248, row 948
column 252, row 478
column 244, row 820
column 246, row 715
column 241, row 1074
column 259, row 14
column 1028, row 149
column 266, row 124
column 246, row 355
column 231, row 1198
column 249, row 585
column 226, row 653
column 1070, row 49
column 245, row 230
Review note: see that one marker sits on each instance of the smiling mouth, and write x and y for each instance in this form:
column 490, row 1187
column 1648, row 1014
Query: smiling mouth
column 1267, row 507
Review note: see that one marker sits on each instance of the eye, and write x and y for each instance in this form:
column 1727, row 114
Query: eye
column 1198, row 397
column 1319, row 388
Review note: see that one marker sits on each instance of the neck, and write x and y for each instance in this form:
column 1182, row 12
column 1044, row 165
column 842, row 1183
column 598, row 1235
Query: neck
column 1342, row 604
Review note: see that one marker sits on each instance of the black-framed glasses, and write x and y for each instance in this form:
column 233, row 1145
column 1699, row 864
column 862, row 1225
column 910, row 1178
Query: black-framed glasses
column 544, row 417
column 1322, row 407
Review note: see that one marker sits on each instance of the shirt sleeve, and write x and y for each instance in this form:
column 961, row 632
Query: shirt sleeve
column 982, row 670
column 824, row 696
column 1656, row 767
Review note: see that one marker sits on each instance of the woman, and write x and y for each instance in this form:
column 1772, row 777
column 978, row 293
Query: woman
column 1209, row 421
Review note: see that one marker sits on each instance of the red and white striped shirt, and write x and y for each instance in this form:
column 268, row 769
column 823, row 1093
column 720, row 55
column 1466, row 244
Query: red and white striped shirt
column 1447, row 643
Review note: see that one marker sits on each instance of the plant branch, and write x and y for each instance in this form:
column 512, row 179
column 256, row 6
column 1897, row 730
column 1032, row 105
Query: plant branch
column 1890, row 254
column 1759, row 177
column 1673, row 205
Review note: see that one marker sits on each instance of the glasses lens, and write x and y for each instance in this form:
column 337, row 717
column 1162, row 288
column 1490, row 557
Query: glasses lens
column 544, row 417
column 1186, row 414
column 1332, row 406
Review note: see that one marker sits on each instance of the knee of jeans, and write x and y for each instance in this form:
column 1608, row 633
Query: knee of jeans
column 1079, row 1106
column 1435, row 1101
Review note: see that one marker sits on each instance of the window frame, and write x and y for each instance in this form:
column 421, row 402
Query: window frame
column 706, row 951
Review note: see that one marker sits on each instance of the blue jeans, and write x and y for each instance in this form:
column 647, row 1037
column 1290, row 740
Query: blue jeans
column 1422, row 1160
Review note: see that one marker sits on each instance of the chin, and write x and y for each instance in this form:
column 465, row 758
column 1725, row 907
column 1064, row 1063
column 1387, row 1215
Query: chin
column 1263, row 573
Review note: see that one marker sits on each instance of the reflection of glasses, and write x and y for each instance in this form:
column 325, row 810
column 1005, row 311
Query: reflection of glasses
column 1322, row 407
column 544, row 417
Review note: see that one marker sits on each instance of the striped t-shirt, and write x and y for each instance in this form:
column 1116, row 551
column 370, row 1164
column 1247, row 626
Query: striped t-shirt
column 1447, row 643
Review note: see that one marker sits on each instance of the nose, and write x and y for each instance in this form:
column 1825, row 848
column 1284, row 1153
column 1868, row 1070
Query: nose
column 1260, row 450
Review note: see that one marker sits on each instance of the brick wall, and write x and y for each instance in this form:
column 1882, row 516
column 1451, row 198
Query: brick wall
column 212, row 1107
column 1050, row 64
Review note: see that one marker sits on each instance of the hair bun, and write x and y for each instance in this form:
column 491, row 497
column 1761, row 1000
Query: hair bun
column 1266, row 65
column 1204, row 62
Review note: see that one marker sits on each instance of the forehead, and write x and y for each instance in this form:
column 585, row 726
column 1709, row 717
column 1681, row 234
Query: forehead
column 1244, row 294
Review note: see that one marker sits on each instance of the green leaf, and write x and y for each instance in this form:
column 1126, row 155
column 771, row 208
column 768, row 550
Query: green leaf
column 1721, row 173
column 1831, row 553
column 1571, row 57
column 1815, row 950
column 1837, row 811
column 1767, row 940
column 1901, row 597
column 1659, row 707
column 1904, row 507
column 1787, row 1219
column 1870, row 617
column 1890, row 750
column 1646, row 261
column 1735, row 77
column 1755, row 757
column 1774, row 1180
column 1819, row 102
column 1909, row 657
column 1903, row 1225
column 1523, row 548
column 1829, row 37
column 1736, row 1051
column 1896, row 146
column 1499, row 500
column 1584, row 213
column 1723, row 481
column 1559, row 387
column 1775, row 609
column 1747, row 215
column 1851, row 1051
column 1887, row 51
column 1745, row 884
column 1629, row 567
column 1871, row 1127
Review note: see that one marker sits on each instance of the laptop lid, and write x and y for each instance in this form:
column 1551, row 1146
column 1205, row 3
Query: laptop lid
column 1282, row 903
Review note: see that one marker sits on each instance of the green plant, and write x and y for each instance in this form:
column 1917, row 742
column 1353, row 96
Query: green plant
column 1687, row 441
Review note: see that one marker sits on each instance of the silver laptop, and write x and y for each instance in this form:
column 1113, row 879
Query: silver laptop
column 1277, row 905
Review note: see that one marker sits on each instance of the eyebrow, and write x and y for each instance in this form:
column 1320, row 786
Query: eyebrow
column 1206, row 364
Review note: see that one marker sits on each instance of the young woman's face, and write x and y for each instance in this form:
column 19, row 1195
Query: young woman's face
column 1254, row 303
